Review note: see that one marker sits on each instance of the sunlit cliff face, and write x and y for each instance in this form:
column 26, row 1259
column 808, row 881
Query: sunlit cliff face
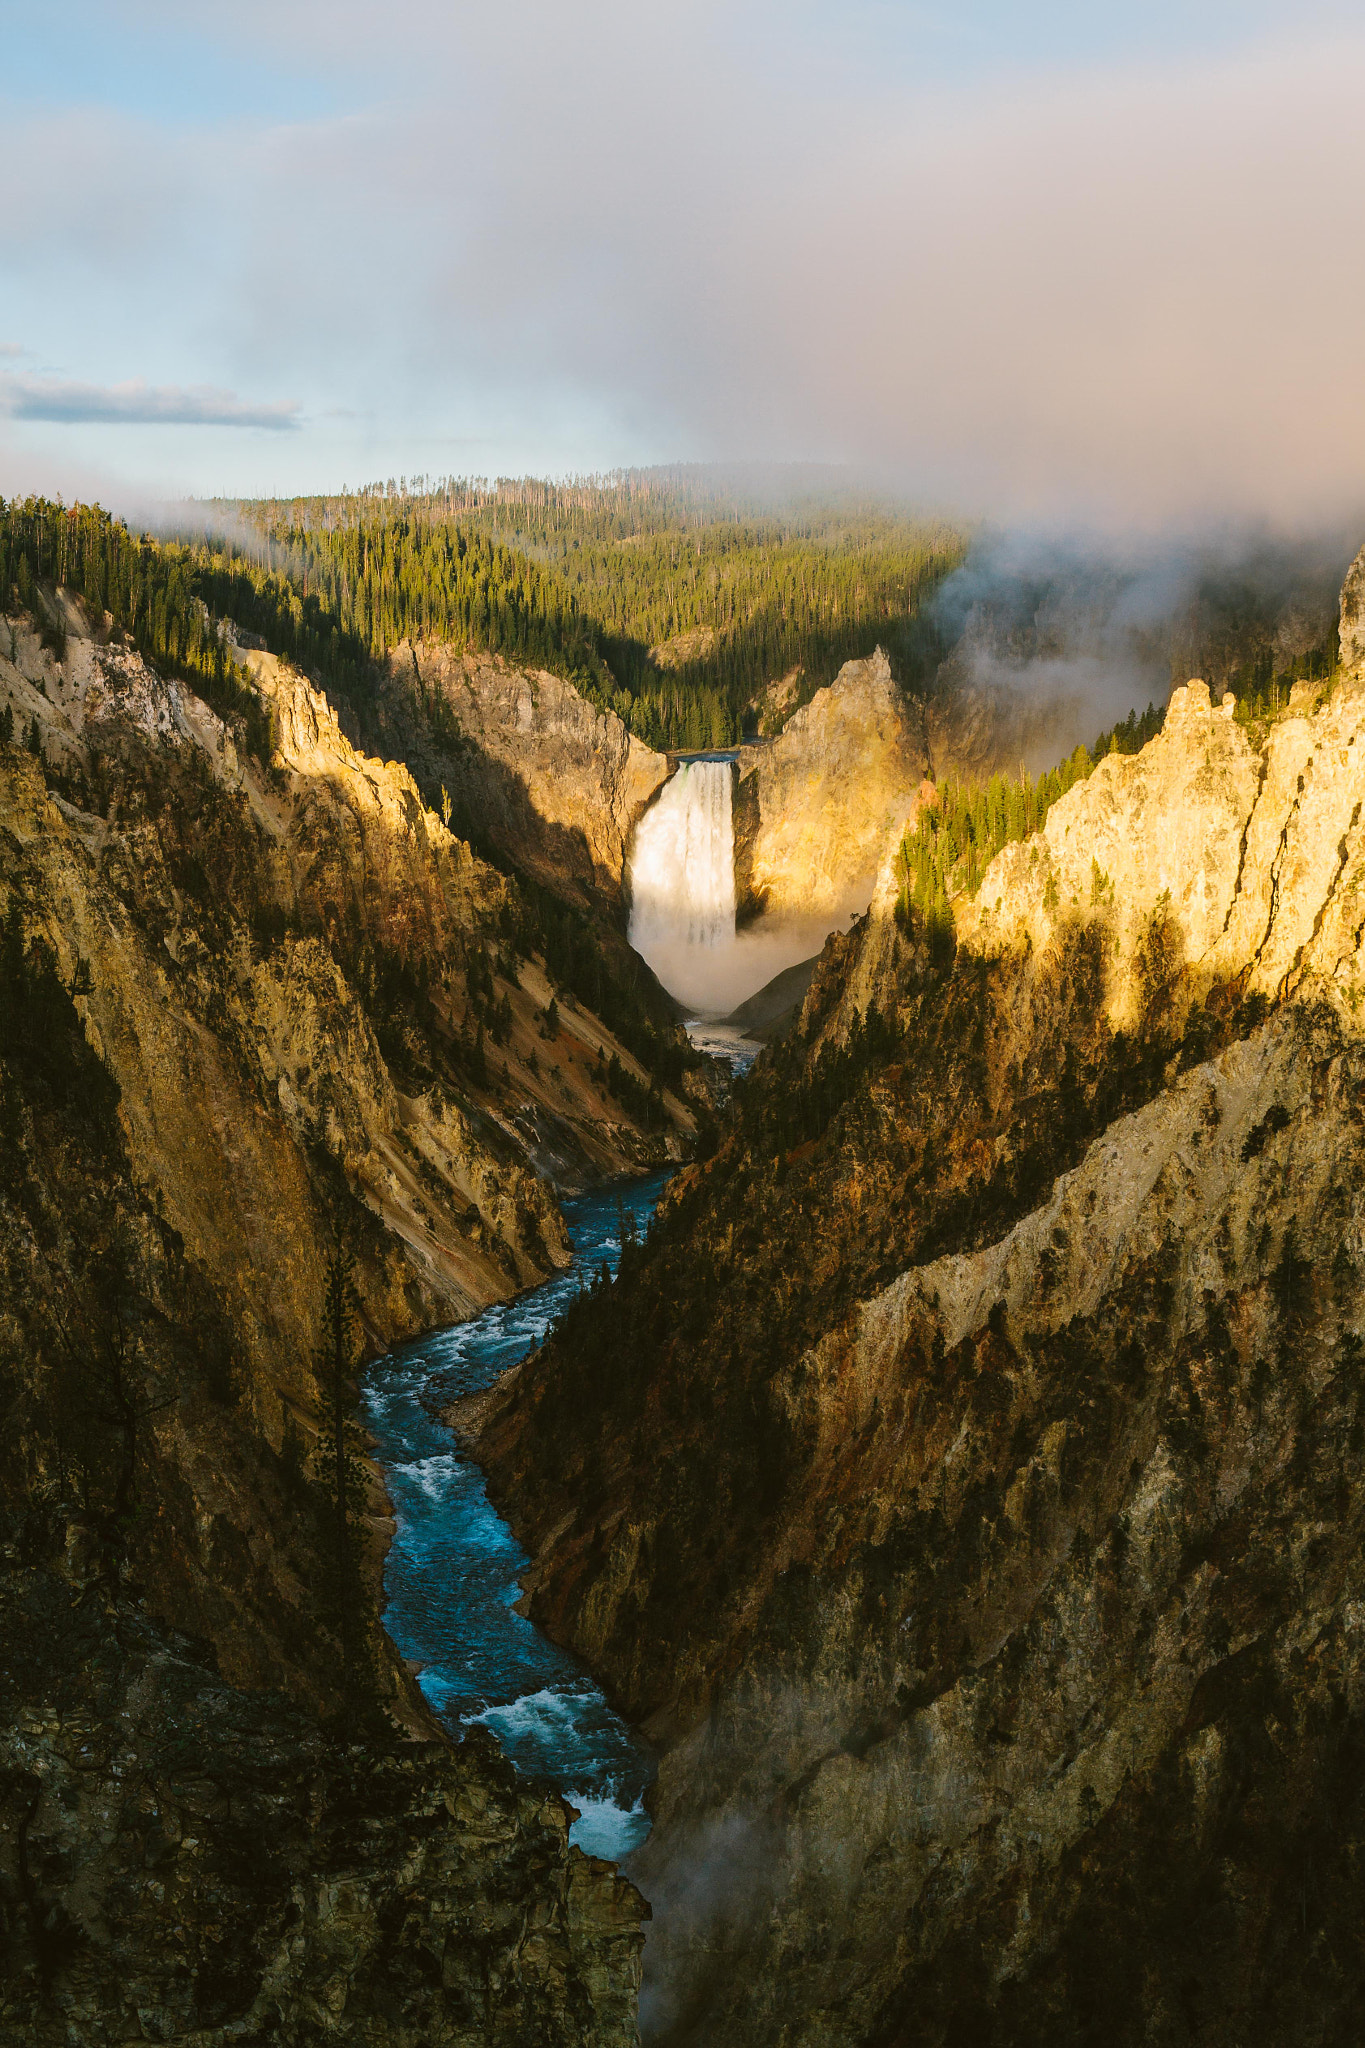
column 682, row 893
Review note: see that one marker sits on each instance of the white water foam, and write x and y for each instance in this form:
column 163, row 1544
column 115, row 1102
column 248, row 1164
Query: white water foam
column 555, row 1732
column 604, row 1828
column 682, row 899
column 682, row 865
column 547, row 1716
column 432, row 1474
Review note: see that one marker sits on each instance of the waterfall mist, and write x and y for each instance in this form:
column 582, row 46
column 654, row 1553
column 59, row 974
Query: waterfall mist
column 682, row 868
column 682, row 894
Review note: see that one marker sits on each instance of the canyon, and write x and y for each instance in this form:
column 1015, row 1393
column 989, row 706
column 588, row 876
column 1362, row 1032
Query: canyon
column 995, row 1607
column 958, row 1484
column 257, row 1005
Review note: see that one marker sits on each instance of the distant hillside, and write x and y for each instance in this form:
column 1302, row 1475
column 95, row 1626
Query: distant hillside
column 665, row 596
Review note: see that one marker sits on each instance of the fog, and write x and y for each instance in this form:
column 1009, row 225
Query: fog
column 1106, row 277
column 712, row 979
column 1045, row 638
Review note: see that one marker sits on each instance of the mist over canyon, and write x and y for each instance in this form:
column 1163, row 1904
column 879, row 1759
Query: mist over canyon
column 680, row 1321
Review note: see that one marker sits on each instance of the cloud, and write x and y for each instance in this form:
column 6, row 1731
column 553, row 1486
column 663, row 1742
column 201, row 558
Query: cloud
column 1118, row 287
column 67, row 403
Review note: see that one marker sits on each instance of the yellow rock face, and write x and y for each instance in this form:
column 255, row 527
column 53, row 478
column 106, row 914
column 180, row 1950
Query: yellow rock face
column 254, row 1091
column 817, row 806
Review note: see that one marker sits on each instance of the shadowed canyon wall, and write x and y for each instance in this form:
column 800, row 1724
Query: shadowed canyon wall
column 239, row 1000
column 532, row 768
column 996, row 1602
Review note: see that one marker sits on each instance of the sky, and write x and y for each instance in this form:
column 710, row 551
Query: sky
column 1045, row 261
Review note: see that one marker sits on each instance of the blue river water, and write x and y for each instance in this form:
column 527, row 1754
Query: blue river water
column 451, row 1576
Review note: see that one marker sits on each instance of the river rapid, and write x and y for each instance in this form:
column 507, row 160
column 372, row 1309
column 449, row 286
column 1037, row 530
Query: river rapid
column 450, row 1579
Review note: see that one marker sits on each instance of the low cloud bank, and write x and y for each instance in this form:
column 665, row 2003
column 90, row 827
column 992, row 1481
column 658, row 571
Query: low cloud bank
column 68, row 403
column 1119, row 288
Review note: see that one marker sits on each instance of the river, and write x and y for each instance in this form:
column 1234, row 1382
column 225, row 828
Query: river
column 452, row 1569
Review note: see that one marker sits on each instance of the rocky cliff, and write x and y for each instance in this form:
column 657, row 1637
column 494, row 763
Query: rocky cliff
column 249, row 932
column 532, row 769
column 1351, row 630
column 253, row 999
column 815, row 806
column 996, row 1604
column 183, row 1861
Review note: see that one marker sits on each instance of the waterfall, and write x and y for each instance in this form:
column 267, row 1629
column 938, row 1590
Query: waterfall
column 682, row 865
column 682, row 899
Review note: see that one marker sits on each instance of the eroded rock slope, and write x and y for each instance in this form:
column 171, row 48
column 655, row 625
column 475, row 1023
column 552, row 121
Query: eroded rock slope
column 997, row 1598
column 815, row 806
column 251, row 1003
column 536, row 771
column 187, row 1862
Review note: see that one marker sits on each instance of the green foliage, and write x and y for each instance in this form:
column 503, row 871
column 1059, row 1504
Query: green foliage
column 662, row 599
column 639, row 1100
column 615, row 985
column 670, row 603
column 154, row 592
column 339, row 1464
column 796, row 1099
column 956, row 838
column 1262, row 684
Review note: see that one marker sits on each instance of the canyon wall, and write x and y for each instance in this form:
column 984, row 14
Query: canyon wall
column 1351, row 626
column 184, row 1861
column 229, row 916
column 532, row 768
column 253, row 1004
column 227, row 928
column 996, row 1603
column 816, row 805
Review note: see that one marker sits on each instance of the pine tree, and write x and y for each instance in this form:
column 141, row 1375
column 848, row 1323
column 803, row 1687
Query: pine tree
column 339, row 1463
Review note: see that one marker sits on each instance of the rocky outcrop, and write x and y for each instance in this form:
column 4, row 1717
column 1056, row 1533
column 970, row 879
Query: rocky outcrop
column 1208, row 861
column 1014, row 1652
column 995, row 1605
column 182, row 1861
column 224, row 915
column 816, row 806
column 272, row 963
column 534, row 770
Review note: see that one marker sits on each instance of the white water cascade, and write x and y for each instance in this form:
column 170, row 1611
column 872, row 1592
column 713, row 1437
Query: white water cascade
column 682, row 899
column 682, row 867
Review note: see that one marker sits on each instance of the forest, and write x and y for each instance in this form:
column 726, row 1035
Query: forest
column 670, row 603
column 662, row 595
column 153, row 592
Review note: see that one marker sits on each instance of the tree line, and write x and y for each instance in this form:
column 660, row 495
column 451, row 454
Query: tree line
column 956, row 838
column 671, row 610
column 152, row 592
column 671, row 605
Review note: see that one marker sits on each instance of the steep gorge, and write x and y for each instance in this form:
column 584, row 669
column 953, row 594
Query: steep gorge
column 996, row 1602
column 533, row 770
column 960, row 1483
column 251, row 1006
